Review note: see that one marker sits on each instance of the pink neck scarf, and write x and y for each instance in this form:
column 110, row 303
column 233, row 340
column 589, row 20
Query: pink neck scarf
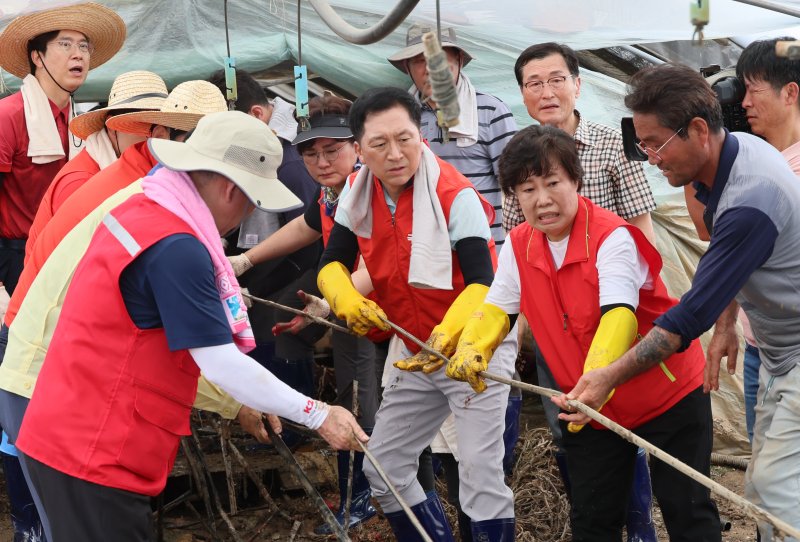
column 175, row 191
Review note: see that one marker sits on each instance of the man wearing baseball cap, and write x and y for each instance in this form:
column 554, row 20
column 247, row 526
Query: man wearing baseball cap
column 171, row 307
column 51, row 51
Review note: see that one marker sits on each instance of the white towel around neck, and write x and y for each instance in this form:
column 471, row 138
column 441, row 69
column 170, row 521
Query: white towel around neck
column 431, row 264
column 45, row 144
column 466, row 131
column 99, row 147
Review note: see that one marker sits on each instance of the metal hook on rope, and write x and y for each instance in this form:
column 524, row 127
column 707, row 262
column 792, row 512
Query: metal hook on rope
column 363, row 36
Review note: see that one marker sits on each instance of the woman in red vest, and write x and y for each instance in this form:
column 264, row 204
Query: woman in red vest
column 588, row 284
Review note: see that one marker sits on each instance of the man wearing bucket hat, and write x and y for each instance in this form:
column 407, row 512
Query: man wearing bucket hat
column 51, row 51
column 171, row 307
column 485, row 123
column 132, row 91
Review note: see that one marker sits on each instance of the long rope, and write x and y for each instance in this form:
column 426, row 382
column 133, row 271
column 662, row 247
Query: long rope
column 751, row 509
column 754, row 511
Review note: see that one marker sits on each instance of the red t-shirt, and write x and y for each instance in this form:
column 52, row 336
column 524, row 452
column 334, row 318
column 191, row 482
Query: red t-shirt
column 24, row 183
column 71, row 177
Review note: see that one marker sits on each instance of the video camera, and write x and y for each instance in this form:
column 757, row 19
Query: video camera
column 730, row 93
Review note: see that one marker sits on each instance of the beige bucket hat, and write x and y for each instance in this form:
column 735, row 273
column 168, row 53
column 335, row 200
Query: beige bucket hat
column 414, row 45
column 238, row 146
column 182, row 109
column 138, row 89
column 104, row 28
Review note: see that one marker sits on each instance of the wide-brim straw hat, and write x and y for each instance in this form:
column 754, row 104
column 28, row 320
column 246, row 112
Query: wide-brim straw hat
column 102, row 26
column 138, row 89
column 238, row 146
column 182, row 110
column 414, row 45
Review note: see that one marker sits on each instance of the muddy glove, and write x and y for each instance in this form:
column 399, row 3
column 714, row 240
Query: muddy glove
column 313, row 306
column 240, row 264
column 613, row 337
column 248, row 303
column 360, row 313
column 485, row 330
column 444, row 337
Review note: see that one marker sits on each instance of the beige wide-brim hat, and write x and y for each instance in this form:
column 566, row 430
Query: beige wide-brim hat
column 139, row 89
column 102, row 26
column 182, row 109
column 238, row 146
column 414, row 45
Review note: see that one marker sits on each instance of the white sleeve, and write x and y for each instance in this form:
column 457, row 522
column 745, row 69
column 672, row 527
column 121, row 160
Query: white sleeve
column 621, row 269
column 505, row 289
column 253, row 385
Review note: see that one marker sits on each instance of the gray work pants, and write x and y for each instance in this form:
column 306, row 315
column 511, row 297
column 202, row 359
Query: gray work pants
column 772, row 480
column 414, row 407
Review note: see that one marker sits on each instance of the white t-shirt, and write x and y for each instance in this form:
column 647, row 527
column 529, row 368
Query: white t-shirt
column 622, row 272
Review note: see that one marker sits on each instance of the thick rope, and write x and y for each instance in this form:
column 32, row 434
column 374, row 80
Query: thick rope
column 752, row 510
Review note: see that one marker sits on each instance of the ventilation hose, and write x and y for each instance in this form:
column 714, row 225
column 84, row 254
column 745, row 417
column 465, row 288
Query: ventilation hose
column 363, row 36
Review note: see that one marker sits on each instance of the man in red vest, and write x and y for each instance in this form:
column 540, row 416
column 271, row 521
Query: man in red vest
column 121, row 372
column 423, row 231
column 588, row 284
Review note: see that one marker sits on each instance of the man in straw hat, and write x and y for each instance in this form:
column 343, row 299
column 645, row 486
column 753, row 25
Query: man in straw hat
column 132, row 91
column 51, row 51
column 171, row 307
column 28, row 340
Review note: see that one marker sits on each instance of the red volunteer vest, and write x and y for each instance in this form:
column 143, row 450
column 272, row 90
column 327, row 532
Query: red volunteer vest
column 375, row 335
column 112, row 401
column 563, row 310
column 388, row 253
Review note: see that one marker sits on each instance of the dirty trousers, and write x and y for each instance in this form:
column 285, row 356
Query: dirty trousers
column 414, row 407
column 772, row 480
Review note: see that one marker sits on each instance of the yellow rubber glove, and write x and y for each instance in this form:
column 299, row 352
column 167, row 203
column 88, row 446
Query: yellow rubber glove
column 444, row 337
column 614, row 336
column 346, row 302
column 485, row 330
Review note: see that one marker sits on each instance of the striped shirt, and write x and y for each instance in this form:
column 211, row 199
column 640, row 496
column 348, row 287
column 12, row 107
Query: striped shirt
column 610, row 180
column 478, row 162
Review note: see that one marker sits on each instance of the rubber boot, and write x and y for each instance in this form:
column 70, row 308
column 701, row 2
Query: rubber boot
column 511, row 432
column 561, row 463
column 361, row 508
column 493, row 530
column 639, row 522
column 24, row 516
column 430, row 514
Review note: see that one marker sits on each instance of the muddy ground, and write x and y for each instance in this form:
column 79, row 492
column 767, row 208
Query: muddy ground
column 254, row 521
